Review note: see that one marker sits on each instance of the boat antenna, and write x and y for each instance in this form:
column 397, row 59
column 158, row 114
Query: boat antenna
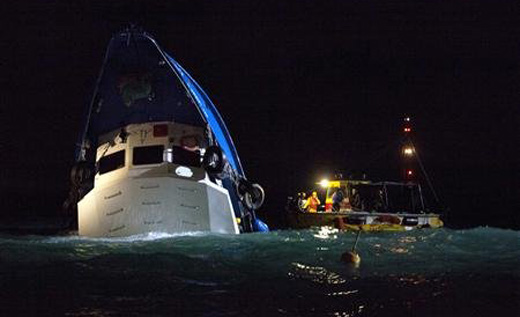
column 409, row 150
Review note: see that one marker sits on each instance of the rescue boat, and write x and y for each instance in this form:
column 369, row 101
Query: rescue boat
column 353, row 204
column 155, row 155
column 364, row 205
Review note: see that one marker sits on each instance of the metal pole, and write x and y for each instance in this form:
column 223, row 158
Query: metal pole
column 80, row 156
column 387, row 206
column 420, row 196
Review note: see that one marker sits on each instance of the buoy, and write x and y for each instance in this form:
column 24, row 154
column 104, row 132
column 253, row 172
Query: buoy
column 352, row 257
column 260, row 226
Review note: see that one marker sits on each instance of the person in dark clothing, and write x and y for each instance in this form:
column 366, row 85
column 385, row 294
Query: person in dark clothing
column 337, row 199
column 355, row 200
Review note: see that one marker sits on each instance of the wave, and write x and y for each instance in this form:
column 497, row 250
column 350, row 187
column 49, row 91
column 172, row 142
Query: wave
column 296, row 272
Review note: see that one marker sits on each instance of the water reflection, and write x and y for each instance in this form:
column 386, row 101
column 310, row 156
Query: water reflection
column 326, row 233
column 315, row 274
column 343, row 293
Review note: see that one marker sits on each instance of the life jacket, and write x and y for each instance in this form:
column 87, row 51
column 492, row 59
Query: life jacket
column 313, row 204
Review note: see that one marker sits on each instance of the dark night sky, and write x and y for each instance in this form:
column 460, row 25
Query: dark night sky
column 305, row 88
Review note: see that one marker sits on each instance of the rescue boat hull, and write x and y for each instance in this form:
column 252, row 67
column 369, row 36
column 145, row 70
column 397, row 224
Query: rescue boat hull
column 366, row 221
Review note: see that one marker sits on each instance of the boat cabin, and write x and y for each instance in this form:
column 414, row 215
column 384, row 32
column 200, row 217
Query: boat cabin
column 364, row 195
column 154, row 149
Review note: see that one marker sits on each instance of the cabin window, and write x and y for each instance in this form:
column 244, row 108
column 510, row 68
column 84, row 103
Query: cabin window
column 181, row 156
column 148, row 155
column 111, row 162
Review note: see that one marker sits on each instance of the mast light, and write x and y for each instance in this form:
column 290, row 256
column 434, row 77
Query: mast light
column 408, row 151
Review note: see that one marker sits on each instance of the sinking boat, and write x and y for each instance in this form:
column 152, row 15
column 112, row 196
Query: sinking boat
column 155, row 154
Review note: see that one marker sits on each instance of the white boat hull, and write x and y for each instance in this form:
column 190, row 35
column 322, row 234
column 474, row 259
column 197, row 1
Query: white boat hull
column 156, row 204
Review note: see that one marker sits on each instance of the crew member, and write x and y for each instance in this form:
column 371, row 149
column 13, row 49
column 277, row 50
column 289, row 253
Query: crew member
column 312, row 203
column 302, row 200
column 355, row 200
column 337, row 199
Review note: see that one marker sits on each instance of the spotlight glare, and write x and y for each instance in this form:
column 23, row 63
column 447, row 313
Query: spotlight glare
column 324, row 183
column 408, row 151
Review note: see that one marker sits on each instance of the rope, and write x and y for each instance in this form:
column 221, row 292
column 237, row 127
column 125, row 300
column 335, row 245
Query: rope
column 430, row 185
column 357, row 239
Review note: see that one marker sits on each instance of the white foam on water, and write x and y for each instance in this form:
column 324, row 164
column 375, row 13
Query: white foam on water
column 149, row 236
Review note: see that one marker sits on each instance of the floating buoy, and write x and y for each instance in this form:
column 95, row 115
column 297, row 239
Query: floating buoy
column 352, row 257
column 260, row 226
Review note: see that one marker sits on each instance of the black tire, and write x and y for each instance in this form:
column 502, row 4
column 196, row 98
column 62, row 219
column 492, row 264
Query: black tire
column 244, row 186
column 213, row 160
column 254, row 197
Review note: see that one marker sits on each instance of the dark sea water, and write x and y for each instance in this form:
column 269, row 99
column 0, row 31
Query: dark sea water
column 441, row 272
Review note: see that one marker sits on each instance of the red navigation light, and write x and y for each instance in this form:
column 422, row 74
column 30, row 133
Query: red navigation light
column 409, row 172
column 407, row 129
column 160, row 130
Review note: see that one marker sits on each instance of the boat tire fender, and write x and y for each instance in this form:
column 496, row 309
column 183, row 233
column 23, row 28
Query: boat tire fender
column 253, row 195
column 243, row 186
column 213, row 160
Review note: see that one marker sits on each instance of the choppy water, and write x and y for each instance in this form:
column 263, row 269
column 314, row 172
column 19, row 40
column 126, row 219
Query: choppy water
column 287, row 273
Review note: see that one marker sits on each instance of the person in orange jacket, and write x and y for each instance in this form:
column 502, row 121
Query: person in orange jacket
column 312, row 203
